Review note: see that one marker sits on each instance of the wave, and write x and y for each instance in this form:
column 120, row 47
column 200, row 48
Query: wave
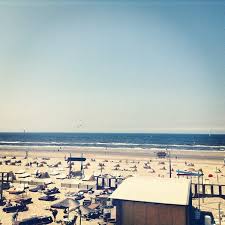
column 111, row 145
column 102, row 143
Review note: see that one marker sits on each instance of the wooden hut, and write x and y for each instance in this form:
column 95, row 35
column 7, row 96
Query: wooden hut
column 153, row 201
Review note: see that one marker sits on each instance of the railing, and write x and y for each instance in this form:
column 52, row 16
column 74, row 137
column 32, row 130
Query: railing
column 208, row 190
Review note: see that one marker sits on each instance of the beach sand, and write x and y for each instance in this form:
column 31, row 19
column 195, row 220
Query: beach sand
column 126, row 158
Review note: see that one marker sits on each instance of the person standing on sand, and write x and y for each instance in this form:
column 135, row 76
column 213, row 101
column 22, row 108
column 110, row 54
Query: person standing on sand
column 65, row 211
column 14, row 217
column 54, row 214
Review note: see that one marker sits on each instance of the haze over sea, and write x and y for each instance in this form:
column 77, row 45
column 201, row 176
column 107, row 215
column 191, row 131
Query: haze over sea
column 214, row 142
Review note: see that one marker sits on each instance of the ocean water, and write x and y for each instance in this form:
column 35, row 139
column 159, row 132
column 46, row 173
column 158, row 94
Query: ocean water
column 215, row 142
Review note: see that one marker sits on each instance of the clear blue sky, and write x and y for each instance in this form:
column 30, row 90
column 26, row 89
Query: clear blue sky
column 112, row 66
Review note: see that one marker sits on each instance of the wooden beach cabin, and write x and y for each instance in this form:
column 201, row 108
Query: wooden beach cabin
column 153, row 201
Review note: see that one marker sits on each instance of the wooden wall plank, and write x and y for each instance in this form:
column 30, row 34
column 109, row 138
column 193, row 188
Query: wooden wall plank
column 137, row 213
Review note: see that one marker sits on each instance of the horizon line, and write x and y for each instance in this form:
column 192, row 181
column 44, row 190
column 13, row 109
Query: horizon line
column 121, row 132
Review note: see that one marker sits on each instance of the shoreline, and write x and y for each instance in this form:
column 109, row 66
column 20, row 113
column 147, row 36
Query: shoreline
column 125, row 152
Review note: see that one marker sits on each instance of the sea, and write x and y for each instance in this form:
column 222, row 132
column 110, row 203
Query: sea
column 198, row 142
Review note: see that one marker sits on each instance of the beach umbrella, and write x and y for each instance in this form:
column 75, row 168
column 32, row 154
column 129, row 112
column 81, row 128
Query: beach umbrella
column 67, row 203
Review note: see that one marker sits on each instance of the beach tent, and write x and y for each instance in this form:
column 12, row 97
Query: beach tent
column 67, row 203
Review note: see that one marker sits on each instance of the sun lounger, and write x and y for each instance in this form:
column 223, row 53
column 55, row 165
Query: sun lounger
column 16, row 191
column 38, row 220
column 24, row 200
column 15, row 208
column 48, row 198
column 52, row 191
column 38, row 188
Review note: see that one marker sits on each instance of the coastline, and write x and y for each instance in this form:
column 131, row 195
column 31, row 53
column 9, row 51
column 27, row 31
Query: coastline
column 111, row 152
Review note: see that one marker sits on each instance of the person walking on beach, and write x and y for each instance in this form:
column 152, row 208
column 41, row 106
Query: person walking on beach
column 14, row 217
column 54, row 214
column 65, row 211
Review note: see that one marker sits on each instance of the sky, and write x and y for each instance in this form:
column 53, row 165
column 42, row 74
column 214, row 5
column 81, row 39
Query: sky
column 112, row 66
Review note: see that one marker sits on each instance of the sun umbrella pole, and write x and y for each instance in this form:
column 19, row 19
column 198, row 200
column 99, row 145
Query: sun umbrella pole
column 81, row 167
column 80, row 215
column 198, row 192
column 70, row 167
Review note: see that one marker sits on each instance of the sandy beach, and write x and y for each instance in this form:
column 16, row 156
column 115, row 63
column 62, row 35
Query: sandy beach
column 117, row 163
